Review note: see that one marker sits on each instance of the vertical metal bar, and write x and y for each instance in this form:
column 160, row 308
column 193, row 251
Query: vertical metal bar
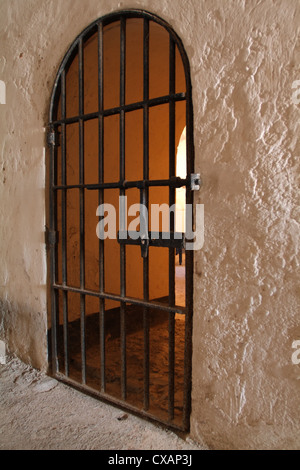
column 146, row 199
column 172, row 172
column 122, row 193
column 188, row 268
column 53, row 257
column 101, row 201
column 64, row 221
column 81, row 210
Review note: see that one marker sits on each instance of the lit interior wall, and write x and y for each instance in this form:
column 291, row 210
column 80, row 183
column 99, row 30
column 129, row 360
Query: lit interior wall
column 158, row 158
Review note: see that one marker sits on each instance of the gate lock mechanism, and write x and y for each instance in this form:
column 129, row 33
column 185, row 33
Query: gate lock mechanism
column 161, row 239
column 195, row 182
column 158, row 239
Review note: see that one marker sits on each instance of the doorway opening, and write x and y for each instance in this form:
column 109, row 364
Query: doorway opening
column 121, row 307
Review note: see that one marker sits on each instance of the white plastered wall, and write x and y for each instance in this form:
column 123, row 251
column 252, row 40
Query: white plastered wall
column 244, row 58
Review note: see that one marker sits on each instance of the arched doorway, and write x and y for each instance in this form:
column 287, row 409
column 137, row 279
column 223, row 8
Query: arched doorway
column 120, row 103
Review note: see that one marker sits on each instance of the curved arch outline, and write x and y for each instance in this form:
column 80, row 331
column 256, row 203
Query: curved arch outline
column 106, row 20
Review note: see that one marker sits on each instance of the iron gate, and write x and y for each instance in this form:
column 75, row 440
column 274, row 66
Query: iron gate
column 59, row 189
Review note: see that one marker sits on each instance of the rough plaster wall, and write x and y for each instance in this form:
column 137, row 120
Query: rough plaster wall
column 247, row 303
column 244, row 58
column 22, row 187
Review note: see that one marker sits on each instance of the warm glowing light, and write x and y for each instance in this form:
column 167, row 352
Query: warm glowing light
column 180, row 192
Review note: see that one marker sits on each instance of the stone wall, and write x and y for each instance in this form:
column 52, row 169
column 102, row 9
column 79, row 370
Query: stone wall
column 244, row 58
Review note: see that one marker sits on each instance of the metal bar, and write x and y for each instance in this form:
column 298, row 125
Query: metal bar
column 64, row 222
column 53, row 259
column 95, row 186
column 173, row 182
column 101, row 201
column 188, row 269
column 82, row 211
column 146, row 360
column 188, row 338
column 126, row 108
column 172, row 173
column 125, row 299
column 63, row 177
column 122, row 193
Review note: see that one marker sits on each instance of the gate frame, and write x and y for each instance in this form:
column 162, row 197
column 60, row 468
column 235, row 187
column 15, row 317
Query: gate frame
column 52, row 238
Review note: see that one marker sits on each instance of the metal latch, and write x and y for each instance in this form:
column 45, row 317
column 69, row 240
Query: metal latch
column 195, row 181
column 51, row 237
column 144, row 246
column 158, row 239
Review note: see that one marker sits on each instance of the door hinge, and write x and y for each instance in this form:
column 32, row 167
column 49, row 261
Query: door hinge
column 195, row 182
column 53, row 138
column 51, row 237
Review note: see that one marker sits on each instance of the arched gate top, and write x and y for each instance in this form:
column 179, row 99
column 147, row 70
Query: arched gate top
column 97, row 27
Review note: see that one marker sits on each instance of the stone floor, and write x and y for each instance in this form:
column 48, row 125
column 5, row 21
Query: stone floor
column 39, row 413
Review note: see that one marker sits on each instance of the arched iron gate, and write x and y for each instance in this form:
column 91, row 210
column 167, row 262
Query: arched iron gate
column 59, row 345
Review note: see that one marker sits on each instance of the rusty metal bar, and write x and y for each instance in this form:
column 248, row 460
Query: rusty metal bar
column 101, row 201
column 146, row 177
column 122, row 193
column 173, row 182
column 126, row 108
column 146, row 364
column 64, row 222
column 82, row 211
column 53, row 257
column 188, row 266
column 125, row 299
column 172, row 173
